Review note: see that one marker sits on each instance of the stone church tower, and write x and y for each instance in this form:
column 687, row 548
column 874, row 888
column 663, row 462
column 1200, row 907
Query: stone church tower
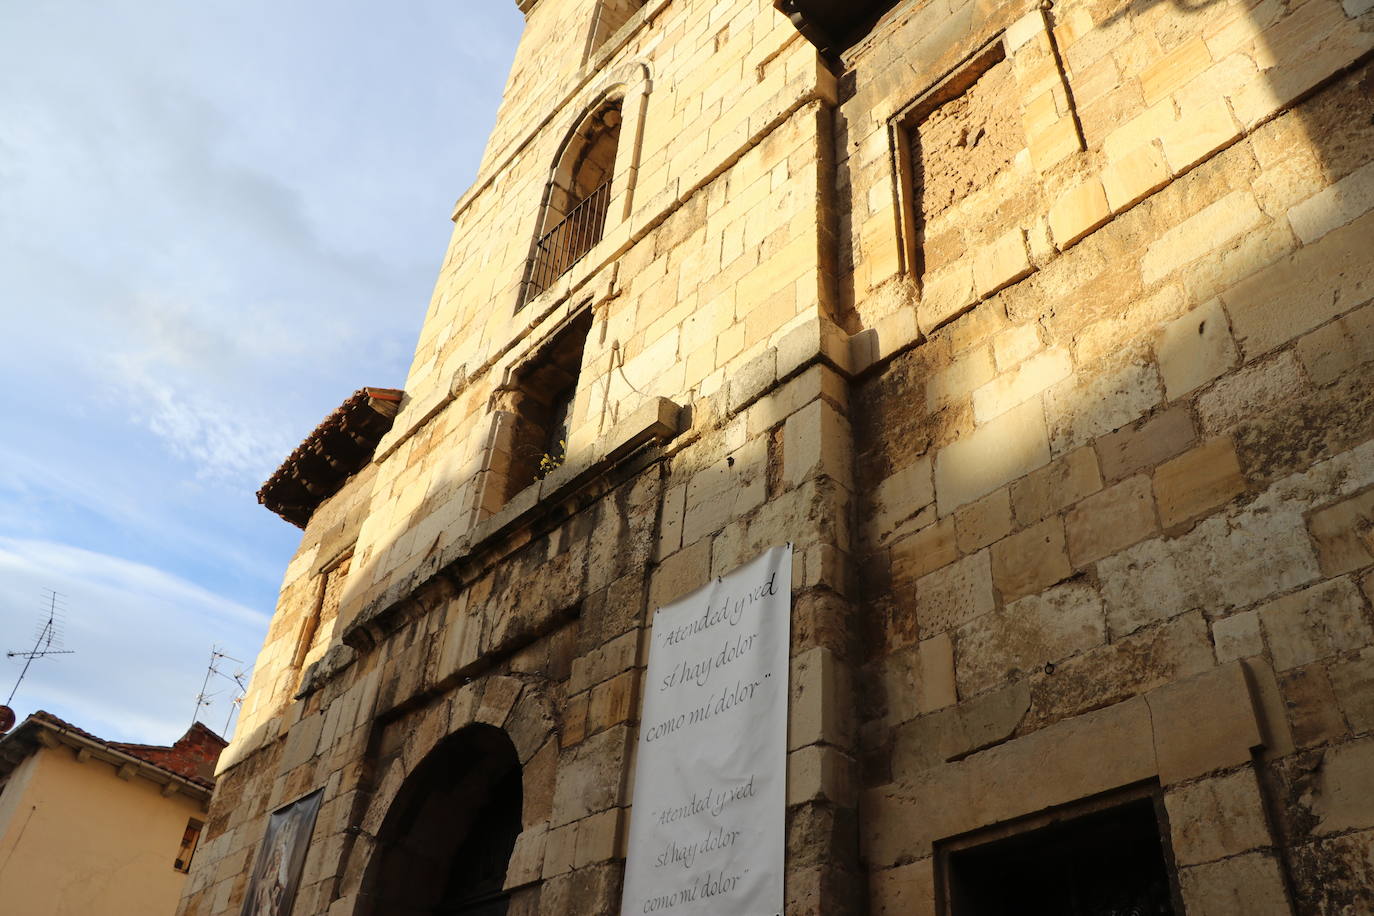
column 1042, row 330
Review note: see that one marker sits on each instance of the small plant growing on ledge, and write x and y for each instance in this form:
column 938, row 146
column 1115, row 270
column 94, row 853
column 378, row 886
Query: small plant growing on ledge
column 552, row 460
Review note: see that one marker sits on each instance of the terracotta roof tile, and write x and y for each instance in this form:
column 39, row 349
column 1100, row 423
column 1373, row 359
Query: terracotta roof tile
column 192, row 757
column 338, row 448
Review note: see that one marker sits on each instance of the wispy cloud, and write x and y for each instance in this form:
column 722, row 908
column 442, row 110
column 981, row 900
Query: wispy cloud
column 140, row 639
column 178, row 372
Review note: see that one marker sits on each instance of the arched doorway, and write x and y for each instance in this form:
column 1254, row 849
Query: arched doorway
column 447, row 838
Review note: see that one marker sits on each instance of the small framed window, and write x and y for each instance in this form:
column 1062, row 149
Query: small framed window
column 611, row 16
column 952, row 144
column 316, row 633
column 1109, row 856
column 189, row 840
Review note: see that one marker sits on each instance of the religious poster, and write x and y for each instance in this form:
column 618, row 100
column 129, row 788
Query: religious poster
column 277, row 872
column 707, row 822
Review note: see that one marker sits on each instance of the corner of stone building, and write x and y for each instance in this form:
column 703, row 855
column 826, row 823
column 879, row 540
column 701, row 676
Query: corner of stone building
column 1040, row 335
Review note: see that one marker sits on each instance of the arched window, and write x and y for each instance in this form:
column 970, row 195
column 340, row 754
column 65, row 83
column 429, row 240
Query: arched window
column 577, row 200
column 447, row 838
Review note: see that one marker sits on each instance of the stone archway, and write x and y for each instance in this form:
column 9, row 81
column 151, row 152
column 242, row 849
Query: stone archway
column 447, row 839
column 443, row 833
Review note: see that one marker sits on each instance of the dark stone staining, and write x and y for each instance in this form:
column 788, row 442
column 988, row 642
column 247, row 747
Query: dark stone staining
column 893, row 426
column 1334, row 875
column 1307, row 429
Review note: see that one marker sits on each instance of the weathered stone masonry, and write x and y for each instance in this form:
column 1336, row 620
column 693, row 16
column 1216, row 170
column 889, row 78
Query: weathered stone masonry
column 1043, row 331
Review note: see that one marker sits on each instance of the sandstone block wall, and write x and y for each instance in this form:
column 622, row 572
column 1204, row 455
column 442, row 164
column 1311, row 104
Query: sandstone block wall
column 1094, row 472
column 1042, row 333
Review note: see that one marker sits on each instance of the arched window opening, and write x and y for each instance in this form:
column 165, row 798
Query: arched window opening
column 578, row 200
column 447, row 839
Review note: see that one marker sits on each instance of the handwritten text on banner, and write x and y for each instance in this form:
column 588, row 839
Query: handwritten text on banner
column 706, row 829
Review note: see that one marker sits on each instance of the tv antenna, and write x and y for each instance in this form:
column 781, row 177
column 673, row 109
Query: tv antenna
column 206, row 698
column 240, row 678
column 48, row 639
column 235, row 705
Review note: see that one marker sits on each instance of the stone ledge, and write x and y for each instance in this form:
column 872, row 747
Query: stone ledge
column 655, row 421
column 1179, row 731
column 325, row 670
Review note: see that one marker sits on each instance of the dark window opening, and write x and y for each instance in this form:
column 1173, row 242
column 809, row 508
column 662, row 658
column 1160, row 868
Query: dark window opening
column 475, row 883
column 578, row 201
column 1105, row 863
column 189, row 840
column 542, row 404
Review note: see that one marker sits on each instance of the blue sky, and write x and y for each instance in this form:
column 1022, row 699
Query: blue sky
column 217, row 220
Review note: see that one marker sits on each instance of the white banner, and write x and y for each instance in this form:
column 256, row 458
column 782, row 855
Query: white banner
column 708, row 821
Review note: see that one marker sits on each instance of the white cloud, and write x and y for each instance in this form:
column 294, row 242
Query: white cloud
column 122, row 502
column 140, row 640
column 179, row 373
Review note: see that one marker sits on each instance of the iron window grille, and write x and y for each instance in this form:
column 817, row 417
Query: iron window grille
column 568, row 242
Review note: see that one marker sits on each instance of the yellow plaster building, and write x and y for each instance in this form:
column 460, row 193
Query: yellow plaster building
column 96, row 827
